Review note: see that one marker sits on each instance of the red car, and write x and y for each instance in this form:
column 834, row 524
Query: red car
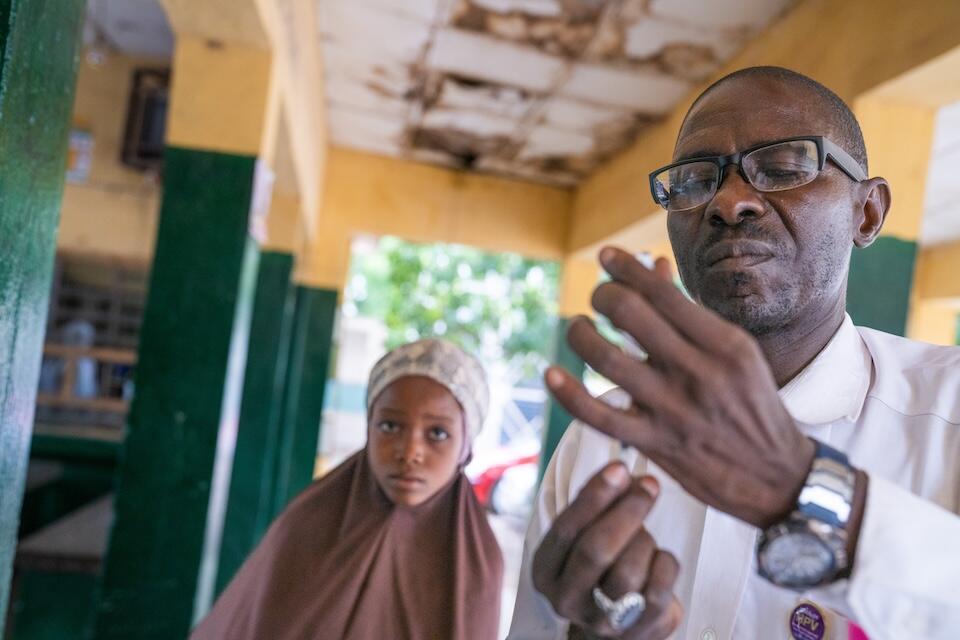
column 485, row 484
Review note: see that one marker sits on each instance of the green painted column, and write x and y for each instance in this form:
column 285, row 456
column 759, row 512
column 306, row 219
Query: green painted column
column 251, row 502
column 40, row 43
column 556, row 419
column 881, row 276
column 311, row 344
column 175, row 464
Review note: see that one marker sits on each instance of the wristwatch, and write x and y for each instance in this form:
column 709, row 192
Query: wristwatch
column 809, row 548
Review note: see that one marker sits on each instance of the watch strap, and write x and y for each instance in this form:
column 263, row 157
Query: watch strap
column 827, row 494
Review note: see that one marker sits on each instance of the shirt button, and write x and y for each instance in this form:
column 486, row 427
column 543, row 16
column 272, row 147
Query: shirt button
column 708, row 634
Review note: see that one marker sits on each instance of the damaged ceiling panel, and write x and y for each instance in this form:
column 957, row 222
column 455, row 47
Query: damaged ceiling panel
column 542, row 90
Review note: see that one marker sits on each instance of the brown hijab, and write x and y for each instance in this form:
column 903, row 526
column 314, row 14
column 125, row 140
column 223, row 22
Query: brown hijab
column 344, row 562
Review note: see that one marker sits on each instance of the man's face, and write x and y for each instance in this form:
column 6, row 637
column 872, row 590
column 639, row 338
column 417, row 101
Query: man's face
column 763, row 260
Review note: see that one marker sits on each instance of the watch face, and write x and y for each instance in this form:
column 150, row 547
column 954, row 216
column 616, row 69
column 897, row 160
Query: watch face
column 797, row 559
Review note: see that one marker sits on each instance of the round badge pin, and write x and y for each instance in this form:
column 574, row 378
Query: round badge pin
column 807, row 622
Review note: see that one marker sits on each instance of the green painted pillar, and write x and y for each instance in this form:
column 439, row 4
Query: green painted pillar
column 556, row 417
column 881, row 276
column 40, row 43
column 250, row 507
column 175, row 464
column 311, row 344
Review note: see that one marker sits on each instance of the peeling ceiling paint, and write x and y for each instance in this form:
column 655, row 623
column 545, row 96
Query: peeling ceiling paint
column 541, row 90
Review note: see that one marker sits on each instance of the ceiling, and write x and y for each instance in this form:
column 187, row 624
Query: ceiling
column 134, row 27
column 534, row 89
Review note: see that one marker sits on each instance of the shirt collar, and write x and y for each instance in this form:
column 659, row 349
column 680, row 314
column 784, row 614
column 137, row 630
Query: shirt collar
column 834, row 385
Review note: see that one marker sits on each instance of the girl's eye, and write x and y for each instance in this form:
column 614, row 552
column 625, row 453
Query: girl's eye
column 438, row 434
column 388, row 427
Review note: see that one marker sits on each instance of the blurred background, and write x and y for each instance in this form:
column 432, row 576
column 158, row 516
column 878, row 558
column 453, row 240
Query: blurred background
column 261, row 197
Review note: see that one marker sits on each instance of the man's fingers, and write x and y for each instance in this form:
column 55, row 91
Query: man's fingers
column 631, row 569
column 633, row 428
column 636, row 378
column 596, row 550
column 600, row 545
column 701, row 327
column 633, row 313
column 663, row 269
column 663, row 611
column 660, row 626
column 596, row 496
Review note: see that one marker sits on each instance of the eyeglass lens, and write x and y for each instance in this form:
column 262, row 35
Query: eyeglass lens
column 777, row 167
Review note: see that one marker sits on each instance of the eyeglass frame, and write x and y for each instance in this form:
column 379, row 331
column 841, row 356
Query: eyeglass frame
column 826, row 148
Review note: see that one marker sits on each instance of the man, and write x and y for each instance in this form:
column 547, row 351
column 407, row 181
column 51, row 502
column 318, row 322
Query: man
column 791, row 475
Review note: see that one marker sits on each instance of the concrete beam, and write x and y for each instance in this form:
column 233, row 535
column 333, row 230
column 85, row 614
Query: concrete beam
column 235, row 21
column 220, row 94
column 371, row 194
column 285, row 31
column 293, row 29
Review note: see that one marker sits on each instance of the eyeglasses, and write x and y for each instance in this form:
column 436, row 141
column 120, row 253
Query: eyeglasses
column 771, row 166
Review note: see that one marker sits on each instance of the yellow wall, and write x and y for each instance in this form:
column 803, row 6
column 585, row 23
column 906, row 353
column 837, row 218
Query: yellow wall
column 115, row 212
column 218, row 97
column 284, row 229
column 366, row 193
column 936, row 295
column 578, row 279
column 938, row 273
column 899, row 139
column 933, row 322
column 247, row 66
column 237, row 21
column 851, row 46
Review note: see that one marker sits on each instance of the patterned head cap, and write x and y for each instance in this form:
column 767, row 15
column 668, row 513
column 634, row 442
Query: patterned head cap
column 443, row 362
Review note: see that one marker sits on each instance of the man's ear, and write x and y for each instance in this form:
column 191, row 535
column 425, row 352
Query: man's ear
column 875, row 203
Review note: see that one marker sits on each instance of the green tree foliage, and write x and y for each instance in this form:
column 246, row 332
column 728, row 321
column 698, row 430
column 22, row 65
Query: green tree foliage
column 500, row 306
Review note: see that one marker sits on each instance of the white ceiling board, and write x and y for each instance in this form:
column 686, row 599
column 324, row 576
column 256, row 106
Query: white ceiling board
column 541, row 90
column 364, row 130
column 484, row 57
column 941, row 215
column 344, row 91
column 649, row 36
column 527, row 172
column 947, row 128
column 941, row 229
column 133, row 27
column 574, row 115
column 549, row 143
column 720, row 13
column 542, row 8
column 421, row 10
column 432, row 157
column 387, row 75
column 637, row 90
column 473, row 122
column 507, row 102
column 373, row 33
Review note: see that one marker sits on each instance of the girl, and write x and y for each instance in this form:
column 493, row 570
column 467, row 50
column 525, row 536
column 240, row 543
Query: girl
column 392, row 544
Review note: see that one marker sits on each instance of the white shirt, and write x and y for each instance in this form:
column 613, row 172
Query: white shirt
column 893, row 405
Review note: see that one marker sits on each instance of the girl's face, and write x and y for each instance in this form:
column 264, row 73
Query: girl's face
column 414, row 439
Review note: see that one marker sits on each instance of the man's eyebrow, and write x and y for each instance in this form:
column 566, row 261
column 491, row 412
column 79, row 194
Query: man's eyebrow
column 700, row 153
